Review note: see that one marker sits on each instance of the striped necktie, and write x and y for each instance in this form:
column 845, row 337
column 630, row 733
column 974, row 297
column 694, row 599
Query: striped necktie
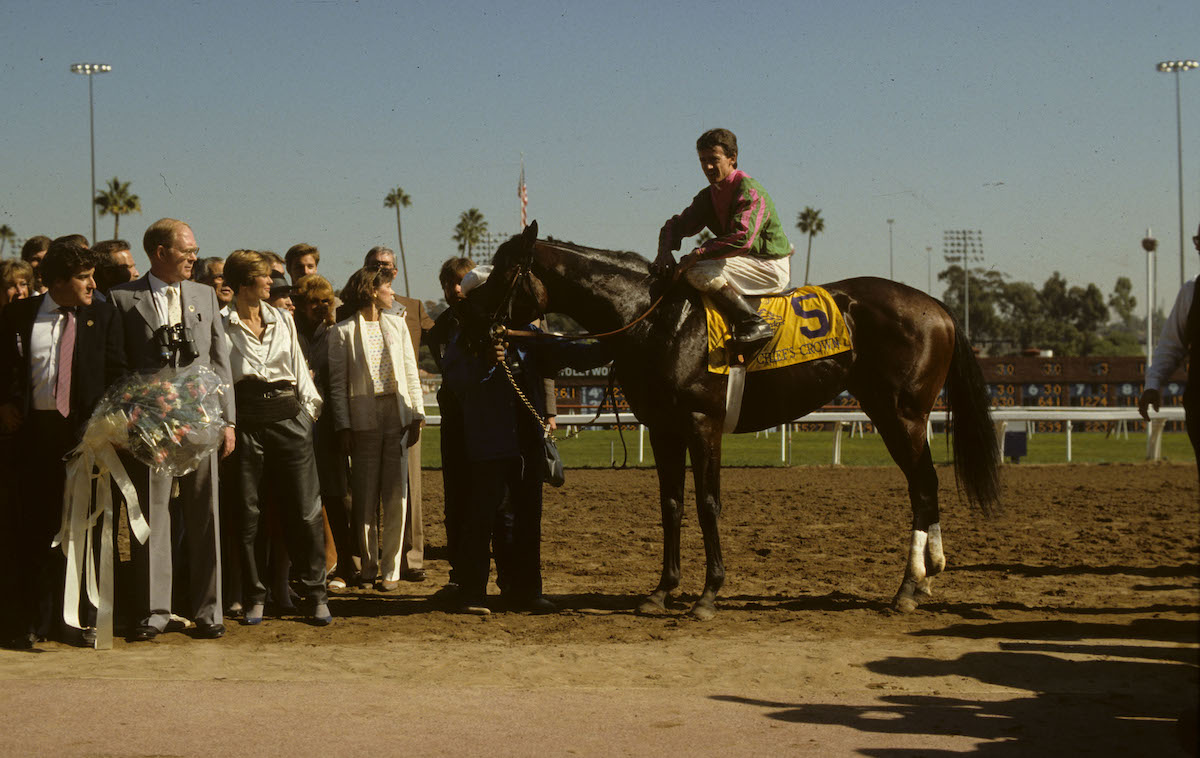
column 66, row 356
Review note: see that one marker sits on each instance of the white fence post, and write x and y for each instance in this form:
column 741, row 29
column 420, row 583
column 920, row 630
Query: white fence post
column 1154, row 439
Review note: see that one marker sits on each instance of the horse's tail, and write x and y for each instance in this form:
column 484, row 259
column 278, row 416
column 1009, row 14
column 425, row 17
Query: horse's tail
column 976, row 450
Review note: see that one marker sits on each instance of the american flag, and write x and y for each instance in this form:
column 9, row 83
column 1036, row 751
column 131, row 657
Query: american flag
column 523, row 194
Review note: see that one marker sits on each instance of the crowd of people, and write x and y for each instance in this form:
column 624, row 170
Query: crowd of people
column 316, row 483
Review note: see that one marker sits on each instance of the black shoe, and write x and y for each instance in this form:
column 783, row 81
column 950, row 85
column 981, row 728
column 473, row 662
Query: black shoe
column 413, row 575
column 209, row 631
column 143, row 633
column 20, row 642
column 79, row 637
column 536, row 605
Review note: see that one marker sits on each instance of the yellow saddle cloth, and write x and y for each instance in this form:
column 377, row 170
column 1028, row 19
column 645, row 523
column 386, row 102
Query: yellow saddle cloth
column 807, row 324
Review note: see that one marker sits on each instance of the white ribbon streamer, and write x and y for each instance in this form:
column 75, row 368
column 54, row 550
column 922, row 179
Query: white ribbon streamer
column 94, row 462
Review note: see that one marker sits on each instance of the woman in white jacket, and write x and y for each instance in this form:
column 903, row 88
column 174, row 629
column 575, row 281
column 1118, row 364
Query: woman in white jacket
column 375, row 395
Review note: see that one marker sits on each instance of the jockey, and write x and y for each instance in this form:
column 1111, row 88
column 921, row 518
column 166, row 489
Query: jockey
column 749, row 254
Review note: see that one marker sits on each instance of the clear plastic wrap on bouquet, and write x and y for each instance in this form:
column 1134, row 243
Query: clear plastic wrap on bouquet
column 169, row 420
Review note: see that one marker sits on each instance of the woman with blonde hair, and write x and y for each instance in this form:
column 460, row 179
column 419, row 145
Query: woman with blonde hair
column 16, row 280
column 378, row 414
column 277, row 404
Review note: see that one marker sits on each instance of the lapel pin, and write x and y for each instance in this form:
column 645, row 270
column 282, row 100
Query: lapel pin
column 91, row 323
column 192, row 308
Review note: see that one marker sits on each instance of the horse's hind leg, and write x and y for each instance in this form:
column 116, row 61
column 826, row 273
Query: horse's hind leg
column 925, row 557
column 906, row 441
column 669, row 456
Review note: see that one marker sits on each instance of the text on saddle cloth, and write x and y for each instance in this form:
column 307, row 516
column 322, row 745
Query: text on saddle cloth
column 807, row 324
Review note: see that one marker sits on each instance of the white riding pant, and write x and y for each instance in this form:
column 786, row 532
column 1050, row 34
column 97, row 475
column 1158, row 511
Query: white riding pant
column 747, row 275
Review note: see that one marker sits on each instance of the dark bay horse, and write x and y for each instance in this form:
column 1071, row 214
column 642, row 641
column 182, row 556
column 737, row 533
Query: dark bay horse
column 906, row 347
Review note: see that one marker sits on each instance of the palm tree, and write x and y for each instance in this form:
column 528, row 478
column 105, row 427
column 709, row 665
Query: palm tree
column 118, row 201
column 398, row 199
column 6, row 235
column 469, row 231
column 809, row 222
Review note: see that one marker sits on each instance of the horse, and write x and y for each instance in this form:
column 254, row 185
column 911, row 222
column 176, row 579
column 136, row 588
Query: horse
column 906, row 347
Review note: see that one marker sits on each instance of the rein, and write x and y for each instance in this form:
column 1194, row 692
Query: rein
column 523, row 273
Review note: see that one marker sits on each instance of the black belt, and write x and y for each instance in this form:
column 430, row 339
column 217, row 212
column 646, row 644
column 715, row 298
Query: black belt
column 259, row 403
column 260, row 389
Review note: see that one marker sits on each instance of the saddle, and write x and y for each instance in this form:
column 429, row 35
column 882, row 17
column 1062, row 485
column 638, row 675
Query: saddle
column 807, row 326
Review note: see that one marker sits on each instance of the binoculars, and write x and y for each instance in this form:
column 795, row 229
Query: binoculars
column 176, row 341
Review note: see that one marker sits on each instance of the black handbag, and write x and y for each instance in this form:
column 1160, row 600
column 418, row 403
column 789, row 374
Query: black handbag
column 552, row 469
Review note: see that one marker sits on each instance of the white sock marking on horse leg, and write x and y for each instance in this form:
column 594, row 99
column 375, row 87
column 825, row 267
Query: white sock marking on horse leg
column 916, row 555
column 937, row 558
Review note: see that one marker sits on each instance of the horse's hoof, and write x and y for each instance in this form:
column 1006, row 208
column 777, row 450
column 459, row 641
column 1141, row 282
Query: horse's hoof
column 904, row 604
column 703, row 612
column 652, row 607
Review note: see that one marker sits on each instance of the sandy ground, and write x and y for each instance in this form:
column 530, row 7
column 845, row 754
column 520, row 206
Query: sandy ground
column 1067, row 626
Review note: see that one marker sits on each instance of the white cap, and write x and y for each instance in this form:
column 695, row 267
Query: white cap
column 474, row 278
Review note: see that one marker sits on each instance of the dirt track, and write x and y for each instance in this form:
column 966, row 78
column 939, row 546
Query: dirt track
column 1067, row 625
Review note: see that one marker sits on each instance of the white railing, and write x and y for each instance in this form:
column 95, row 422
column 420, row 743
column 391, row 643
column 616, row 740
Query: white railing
column 1001, row 418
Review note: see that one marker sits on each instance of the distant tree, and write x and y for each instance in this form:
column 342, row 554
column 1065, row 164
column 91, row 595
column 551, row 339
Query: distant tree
column 809, row 222
column 987, row 291
column 1020, row 313
column 398, row 199
column 1122, row 300
column 469, row 231
column 7, row 235
column 117, row 201
column 703, row 237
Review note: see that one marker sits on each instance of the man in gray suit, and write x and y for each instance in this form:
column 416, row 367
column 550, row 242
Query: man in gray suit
column 170, row 320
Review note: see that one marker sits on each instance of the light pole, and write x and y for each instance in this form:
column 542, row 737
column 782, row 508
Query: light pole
column 964, row 246
column 1174, row 67
column 891, row 259
column 1149, row 244
column 88, row 69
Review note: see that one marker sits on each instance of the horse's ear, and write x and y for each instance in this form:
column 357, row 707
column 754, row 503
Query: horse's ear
column 530, row 233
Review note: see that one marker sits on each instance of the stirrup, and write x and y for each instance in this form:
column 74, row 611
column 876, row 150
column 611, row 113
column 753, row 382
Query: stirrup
column 741, row 352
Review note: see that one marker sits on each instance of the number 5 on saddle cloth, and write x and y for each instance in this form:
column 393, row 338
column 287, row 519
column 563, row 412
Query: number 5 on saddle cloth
column 807, row 325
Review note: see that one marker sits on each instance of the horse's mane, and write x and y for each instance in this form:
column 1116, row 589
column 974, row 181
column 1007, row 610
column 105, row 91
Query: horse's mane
column 627, row 257
column 622, row 258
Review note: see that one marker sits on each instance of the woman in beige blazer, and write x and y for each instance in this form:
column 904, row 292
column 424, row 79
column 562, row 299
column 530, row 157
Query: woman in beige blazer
column 375, row 395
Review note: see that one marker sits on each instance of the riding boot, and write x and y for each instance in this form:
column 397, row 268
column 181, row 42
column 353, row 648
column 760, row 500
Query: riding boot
column 748, row 331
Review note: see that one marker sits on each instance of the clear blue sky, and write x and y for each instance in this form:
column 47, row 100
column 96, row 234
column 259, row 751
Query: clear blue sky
column 1043, row 124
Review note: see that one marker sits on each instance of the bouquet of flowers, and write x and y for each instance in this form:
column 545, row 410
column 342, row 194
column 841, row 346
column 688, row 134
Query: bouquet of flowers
column 169, row 420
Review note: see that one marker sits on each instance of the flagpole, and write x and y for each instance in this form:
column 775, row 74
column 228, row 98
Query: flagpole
column 523, row 193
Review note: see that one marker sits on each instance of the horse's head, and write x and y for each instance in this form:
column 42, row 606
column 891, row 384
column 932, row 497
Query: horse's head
column 512, row 295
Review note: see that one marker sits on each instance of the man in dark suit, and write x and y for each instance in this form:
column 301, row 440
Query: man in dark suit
column 169, row 320
column 58, row 353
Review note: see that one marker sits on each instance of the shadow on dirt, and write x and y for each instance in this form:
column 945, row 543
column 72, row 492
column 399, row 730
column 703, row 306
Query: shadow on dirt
column 1164, row 630
column 1019, row 569
column 1104, row 699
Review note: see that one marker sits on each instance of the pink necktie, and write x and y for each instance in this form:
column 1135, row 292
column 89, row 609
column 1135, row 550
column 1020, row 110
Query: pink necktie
column 66, row 355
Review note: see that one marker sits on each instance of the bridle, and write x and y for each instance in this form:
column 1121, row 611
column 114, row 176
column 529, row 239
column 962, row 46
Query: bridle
column 523, row 275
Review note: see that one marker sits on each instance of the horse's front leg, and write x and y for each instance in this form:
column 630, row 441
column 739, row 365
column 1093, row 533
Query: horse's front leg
column 670, row 462
column 706, row 469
